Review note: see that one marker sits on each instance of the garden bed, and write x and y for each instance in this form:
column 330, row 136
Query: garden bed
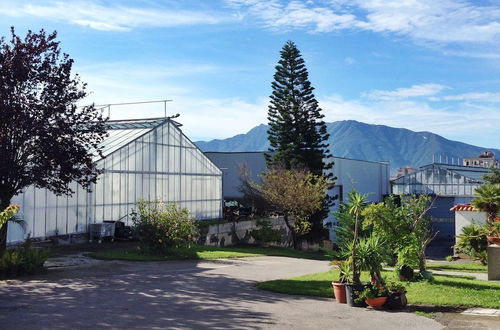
column 443, row 290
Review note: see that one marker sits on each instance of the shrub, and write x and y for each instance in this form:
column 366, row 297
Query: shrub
column 26, row 260
column 265, row 232
column 473, row 242
column 162, row 227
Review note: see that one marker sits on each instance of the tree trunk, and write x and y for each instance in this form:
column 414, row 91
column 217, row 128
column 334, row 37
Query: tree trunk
column 422, row 265
column 292, row 230
column 4, row 203
column 355, row 273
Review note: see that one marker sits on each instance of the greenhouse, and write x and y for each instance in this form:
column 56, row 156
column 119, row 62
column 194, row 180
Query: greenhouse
column 441, row 180
column 147, row 159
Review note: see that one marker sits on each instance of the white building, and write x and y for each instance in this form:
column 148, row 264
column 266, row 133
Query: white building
column 465, row 215
column 144, row 159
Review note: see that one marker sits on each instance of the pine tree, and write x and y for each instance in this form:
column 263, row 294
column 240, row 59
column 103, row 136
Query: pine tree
column 297, row 132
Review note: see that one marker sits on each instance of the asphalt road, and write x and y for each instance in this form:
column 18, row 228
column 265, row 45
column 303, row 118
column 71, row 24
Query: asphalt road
column 183, row 295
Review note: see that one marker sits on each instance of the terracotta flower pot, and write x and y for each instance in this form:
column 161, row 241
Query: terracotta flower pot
column 339, row 292
column 376, row 302
column 493, row 240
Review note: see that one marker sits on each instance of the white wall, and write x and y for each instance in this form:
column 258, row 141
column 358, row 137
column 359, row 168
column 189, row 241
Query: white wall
column 370, row 178
column 465, row 218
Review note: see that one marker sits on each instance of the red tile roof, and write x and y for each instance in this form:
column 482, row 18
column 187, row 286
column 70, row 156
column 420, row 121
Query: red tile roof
column 464, row 207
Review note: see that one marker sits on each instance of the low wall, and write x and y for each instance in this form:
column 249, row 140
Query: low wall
column 222, row 234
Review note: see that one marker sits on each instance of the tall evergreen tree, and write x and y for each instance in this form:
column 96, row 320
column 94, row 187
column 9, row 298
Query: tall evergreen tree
column 297, row 132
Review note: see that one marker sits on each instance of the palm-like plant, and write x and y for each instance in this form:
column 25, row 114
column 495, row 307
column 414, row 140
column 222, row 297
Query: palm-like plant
column 371, row 254
column 488, row 200
column 357, row 202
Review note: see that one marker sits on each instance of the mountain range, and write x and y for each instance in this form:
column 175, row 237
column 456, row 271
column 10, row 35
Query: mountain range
column 353, row 139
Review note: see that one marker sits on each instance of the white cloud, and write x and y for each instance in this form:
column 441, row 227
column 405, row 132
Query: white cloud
column 475, row 96
column 404, row 93
column 203, row 117
column 108, row 17
column 435, row 22
column 118, row 82
column 295, row 14
column 440, row 21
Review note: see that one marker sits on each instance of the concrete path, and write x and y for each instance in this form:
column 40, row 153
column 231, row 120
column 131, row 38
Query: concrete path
column 183, row 295
column 477, row 276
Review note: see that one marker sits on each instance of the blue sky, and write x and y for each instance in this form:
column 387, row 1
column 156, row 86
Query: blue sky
column 425, row 65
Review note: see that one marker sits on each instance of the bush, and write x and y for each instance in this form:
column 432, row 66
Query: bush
column 162, row 227
column 23, row 261
column 265, row 232
column 473, row 242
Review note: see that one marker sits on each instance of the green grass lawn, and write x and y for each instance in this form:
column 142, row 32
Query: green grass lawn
column 444, row 290
column 206, row 252
column 468, row 268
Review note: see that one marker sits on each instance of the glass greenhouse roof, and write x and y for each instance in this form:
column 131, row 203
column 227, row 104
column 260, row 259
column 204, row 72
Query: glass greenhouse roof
column 122, row 132
column 470, row 172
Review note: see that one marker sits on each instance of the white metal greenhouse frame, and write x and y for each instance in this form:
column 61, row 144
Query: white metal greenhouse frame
column 147, row 158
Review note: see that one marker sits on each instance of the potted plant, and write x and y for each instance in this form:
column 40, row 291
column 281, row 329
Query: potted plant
column 397, row 296
column 493, row 233
column 339, row 288
column 374, row 295
column 357, row 202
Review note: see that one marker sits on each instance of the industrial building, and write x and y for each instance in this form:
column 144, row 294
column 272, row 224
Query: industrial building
column 147, row 159
column 449, row 185
column 371, row 178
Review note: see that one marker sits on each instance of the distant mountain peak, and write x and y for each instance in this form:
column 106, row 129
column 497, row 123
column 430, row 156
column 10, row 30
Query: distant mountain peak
column 358, row 140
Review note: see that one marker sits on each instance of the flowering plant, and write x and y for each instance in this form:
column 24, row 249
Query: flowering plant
column 375, row 290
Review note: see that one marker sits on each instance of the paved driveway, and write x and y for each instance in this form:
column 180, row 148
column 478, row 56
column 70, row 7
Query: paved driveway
column 187, row 294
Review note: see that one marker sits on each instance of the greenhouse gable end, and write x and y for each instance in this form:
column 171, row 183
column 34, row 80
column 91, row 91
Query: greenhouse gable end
column 147, row 159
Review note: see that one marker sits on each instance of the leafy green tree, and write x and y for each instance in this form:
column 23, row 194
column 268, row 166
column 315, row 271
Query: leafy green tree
column 296, row 194
column 45, row 139
column 297, row 133
column 405, row 228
